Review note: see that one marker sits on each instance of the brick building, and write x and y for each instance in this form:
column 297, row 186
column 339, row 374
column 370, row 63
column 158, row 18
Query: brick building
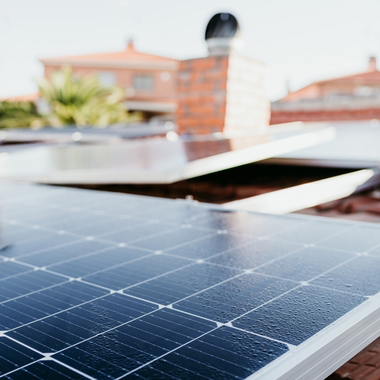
column 221, row 92
column 149, row 80
column 352, row 97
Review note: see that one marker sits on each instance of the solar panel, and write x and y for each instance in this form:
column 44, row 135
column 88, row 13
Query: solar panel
column 355, row 146
column 100, row 285
column 155, row 160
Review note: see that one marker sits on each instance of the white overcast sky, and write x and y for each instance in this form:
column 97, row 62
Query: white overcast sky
column 300, row 40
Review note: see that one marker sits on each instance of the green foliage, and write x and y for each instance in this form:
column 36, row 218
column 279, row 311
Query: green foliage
column 81, row 101
column 19, row 114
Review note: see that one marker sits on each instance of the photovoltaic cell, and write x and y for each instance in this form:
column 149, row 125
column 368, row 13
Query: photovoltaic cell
column 85, row 321
column 130, row 346
column 182, row 283
column 14, row 355
column 305, row 310
column 224, row 353
column 46, row 302
column 100, row 285
column 46, row 369
column 136, row 272
column 26, row 283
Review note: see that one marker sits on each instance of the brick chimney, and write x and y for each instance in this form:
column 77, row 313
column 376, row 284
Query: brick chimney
column 130, row 44
column 372, row 64
column 224, row 91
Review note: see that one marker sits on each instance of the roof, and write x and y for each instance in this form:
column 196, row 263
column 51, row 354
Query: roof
column 369, row 77
column 22, row 98
column 129, row 55
column 366, row 76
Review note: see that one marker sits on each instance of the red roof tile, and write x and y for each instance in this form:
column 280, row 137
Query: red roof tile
column 366, row 76
column 127, row 55
column 22, row 98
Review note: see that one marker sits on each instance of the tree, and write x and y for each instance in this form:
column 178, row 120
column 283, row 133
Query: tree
column 81, row 101
column 19, row 114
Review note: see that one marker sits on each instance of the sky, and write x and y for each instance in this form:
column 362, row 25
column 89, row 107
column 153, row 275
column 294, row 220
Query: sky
column 300, row 40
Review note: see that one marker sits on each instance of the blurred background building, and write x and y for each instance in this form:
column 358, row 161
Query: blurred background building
column 352, row 97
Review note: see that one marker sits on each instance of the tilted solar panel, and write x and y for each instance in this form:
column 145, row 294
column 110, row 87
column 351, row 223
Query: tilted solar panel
column 100, row 285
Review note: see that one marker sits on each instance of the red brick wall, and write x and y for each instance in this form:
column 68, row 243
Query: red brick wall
column 201, row 90
column 278, row 117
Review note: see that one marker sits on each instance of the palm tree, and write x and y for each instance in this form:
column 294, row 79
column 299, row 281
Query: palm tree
column 19, row 114
column 81, row 101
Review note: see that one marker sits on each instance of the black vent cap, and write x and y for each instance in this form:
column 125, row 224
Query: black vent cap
column 222, row 25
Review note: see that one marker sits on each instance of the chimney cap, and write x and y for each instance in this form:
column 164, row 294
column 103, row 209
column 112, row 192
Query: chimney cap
column 130, row 44
column 222, row 25
column 372, row 64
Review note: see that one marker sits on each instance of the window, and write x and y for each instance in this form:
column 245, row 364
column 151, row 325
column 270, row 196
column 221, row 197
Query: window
column 106, row 78
column 143, row 82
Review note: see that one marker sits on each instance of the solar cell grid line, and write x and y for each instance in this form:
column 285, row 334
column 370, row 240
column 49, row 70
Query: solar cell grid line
column 63, row 329
column 10, row 269
column 312, row 232
column 138, row 232
column 64, row 252
column 14, row 355
column 249, row 297
column 46, row 302
column 42, row 243
column 138, row 271
column 139, row 342
column 95, row 262
column 255, row 254
column 209, row 246
column 45, row 369
column 181, row 283
column 27, row 283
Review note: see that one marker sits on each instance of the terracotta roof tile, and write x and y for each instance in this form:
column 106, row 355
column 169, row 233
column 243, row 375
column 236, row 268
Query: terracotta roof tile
column 363, row 357
column 346, row 369
column 22, row 98
column 366, row 76
column 127, row 55
column 361, row 373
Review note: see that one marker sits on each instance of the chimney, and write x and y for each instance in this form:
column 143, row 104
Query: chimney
column 130, row 45
column 223, row 35
column 224, row 91
column 372, row 64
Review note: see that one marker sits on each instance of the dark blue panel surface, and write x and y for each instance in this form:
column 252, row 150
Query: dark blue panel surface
column 46, row 369
column 26, row 283
column 361, row 275
column 81, row 323
column 170, row 239
column 66, row 252
column 255, row 254
column 299, row 314
column 313, row 232
column 46, row 302
column 136, row 271
column 137, row 231
column 86, row 265
column 235, row 297
column 225, row 353
column 48, row 241
column 306, row 263
column 14, row 355
column 354, row 239
column 182, row 283
column 253, row 225
column 209, row 246
column 93, row 296
column 128, row 347
column 9, row 269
